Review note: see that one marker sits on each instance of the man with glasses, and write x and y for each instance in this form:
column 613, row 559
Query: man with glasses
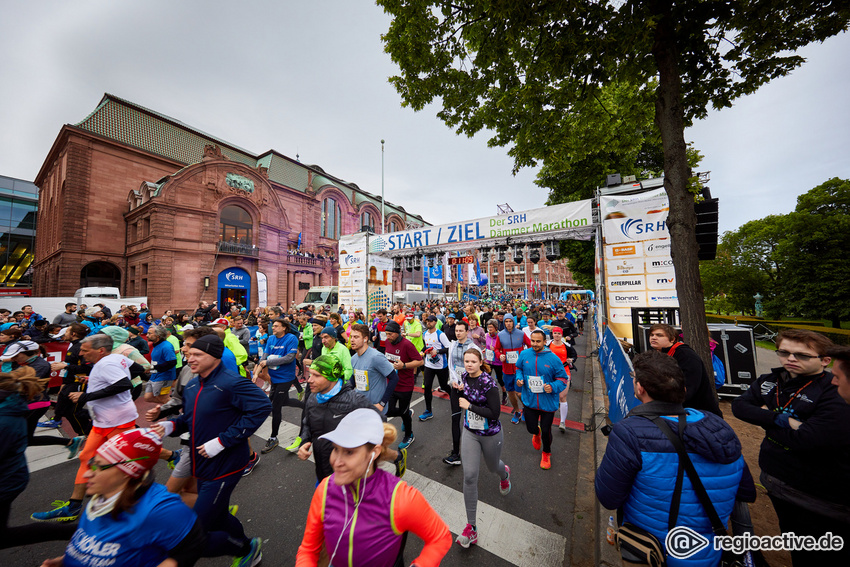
column 699, row 388
column 805, row 455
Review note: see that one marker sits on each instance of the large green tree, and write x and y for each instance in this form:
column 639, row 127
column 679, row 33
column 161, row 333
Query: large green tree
column 523, row 68
column 816, row 275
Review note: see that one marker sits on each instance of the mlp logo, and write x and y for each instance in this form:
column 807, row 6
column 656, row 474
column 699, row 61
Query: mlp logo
column 636, row 228
column 683, row 542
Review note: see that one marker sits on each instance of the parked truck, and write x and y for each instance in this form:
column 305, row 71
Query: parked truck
column 50, row 307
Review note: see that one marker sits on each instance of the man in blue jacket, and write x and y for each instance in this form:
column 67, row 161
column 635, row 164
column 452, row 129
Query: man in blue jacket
column 540, row 375
column 221, row 411
column 638, row 473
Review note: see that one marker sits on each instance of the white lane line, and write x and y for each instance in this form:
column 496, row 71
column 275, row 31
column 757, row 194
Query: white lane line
column 511, row 538
column 46, row 456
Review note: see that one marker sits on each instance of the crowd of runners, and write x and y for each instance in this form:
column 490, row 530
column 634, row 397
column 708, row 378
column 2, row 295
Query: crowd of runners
column 204, row 383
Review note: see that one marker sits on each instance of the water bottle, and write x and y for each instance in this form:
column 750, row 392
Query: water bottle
column 611, row 532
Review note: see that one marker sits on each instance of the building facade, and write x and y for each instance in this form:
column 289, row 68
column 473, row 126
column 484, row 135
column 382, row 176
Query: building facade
column 18, row 208
column 137, row 200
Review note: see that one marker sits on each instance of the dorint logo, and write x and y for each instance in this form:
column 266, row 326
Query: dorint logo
column 683, row 542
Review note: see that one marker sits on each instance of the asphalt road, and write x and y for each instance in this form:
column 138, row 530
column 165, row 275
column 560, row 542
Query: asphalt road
column 530, row 526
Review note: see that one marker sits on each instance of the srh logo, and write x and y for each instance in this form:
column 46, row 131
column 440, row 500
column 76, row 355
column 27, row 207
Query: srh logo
column 634, row 228
column 683, row 542
column 230, row 276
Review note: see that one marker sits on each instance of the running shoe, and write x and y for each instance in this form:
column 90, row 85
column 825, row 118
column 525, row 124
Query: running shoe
column 468, row 537
column 401, row 463
column 453, row 459
column 174, row 459
column 407, row 441
column 233, row 508
column 522, row 416
column 504, row 398
column 438, row 389
column 254, row 557
column 270, row 444
column 546, row 461
column 505, row 485
column 294, row 446
column 515, row 418
column 61, row 512
column 75, row 446
column 300, row 395
column 426, row 416
column 562, row 427
column 50, row 423
column 251, row 464
column 535, row 440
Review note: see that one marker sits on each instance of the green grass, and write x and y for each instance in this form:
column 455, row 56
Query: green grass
column 765, row 344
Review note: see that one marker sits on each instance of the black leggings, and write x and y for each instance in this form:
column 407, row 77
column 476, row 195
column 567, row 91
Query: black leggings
column 76, row 414
column 532, row 416
column 399, row 405
column 442, row 375
column 279, row 396
column 32, row 441
column 497, row 370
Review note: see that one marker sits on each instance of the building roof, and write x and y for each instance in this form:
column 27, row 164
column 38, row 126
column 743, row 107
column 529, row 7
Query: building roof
column 134, row 125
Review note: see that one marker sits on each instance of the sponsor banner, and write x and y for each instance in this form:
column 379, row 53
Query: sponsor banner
column 663, row 299
column 620, row 251
column 617, row 369
column 624, row 267
column 623, row 316
column 626, row 283
column 664, row 280
column 658, row 264
column 658, row 248
column 626, row 298
column 634, row 217
column 576, row 215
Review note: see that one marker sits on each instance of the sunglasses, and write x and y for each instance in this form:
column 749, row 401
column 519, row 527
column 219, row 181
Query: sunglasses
column 96, row 467
column 801, row 356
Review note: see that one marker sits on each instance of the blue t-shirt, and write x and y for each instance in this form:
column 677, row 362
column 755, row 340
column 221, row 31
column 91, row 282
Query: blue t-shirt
column 370, row 374
column 157, row 523
column 282, row 346
column 163, row 351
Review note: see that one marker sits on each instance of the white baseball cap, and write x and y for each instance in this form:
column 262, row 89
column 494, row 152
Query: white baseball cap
column 361, row 426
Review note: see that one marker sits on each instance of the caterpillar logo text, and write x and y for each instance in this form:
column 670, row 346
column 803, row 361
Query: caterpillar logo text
column 626, row 282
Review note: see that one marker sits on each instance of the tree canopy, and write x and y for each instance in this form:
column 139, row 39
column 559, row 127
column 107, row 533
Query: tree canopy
column 528, row 70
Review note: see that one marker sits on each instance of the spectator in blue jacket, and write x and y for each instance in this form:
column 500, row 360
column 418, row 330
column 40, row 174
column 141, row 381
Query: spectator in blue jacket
column 540, row 376
column 638, row 472
column 222, row 410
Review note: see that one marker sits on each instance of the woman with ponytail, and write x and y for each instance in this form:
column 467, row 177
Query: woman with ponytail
column 130, row 519
column 361, row 514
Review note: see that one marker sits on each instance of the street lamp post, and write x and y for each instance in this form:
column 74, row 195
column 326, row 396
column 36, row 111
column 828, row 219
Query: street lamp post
column 382, row 187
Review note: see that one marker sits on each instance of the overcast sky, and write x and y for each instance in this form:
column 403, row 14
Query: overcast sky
column 310, row 78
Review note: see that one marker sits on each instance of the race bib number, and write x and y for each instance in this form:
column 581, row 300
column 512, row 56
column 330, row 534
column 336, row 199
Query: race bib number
column 361, row 380
column 512, row 356
column 392, row 357
column 489, row 355
column 475, row 422
column 383, row 335
column 535, row 384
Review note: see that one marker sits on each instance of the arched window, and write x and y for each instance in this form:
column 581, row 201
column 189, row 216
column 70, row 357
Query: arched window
column 367, row 220
column 236, row 225
column 394, row 226
column 331, row 219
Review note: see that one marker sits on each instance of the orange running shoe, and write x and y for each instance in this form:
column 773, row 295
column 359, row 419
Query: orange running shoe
column 535, row 440
column 546, row 461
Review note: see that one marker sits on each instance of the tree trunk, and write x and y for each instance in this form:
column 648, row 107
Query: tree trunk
column 681, row 219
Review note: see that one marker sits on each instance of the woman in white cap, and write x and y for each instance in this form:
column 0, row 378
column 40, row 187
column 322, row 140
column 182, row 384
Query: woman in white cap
column 361, row 514
column 130, row 519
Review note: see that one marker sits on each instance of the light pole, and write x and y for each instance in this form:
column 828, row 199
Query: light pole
column 382, row 187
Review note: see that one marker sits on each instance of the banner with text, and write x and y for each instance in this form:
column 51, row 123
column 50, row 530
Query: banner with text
column 617, row 369
column 546, row 219
column 637, row 263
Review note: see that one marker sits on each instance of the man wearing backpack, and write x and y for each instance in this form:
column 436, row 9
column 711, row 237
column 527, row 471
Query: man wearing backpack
column 641, row 465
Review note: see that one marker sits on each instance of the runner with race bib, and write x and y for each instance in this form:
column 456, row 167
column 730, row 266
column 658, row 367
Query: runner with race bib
column 509, row 344
column 374, row 375
column 540, row 377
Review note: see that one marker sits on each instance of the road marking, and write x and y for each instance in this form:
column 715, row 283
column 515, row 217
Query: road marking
column 46, row 456
column 511, row 538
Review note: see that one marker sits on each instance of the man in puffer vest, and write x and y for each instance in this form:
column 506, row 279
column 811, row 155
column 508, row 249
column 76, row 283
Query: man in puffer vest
column 638, row 471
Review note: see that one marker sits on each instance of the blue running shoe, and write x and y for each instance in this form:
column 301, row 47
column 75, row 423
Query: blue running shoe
column 61, row 512
column 75, row 446
column 406, row 442
column 50, row 424
column 515, row 419
column 254, row 557
column 426, row 416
